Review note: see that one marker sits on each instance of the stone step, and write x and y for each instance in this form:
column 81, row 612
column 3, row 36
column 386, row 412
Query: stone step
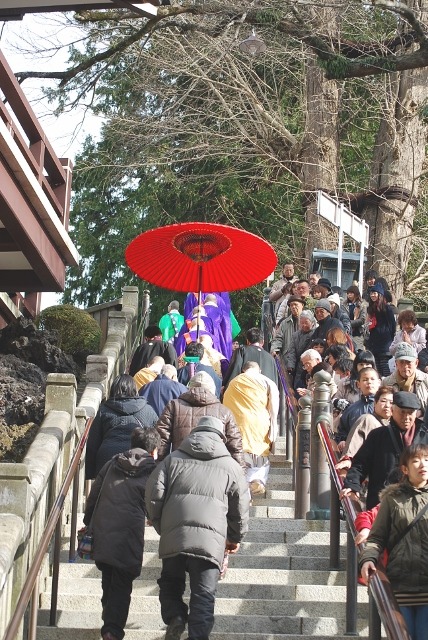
column 86, row 569
column 312, row 537
column 262, row 624
column 226, row 589
column 55, row 633
column 224, row 606
column 266, row 511
column 274, row 502
column 247, row 561
column 278, row 494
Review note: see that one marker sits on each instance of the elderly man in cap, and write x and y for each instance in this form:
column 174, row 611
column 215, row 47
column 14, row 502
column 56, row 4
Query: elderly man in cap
column 181, row 415
column 283, row 335
column 322, row 314
column 407, row 376
column 380, row 453
column 198, row 501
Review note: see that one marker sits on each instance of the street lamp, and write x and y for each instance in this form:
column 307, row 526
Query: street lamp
column 252, row 45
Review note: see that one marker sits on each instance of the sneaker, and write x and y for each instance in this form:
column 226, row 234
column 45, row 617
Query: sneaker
column 175, row 628
column 257, row 489
column 109, row 636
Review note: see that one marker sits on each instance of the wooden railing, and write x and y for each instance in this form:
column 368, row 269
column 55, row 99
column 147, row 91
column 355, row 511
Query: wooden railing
column 53, row 174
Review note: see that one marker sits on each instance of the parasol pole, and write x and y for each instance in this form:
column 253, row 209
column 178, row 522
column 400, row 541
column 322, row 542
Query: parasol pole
column 199, row 300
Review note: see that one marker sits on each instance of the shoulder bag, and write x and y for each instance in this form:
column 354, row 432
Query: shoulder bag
column 85, row 535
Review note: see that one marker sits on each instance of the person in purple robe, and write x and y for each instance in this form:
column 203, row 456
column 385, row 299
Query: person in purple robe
column 200, row 324
column 216, row 315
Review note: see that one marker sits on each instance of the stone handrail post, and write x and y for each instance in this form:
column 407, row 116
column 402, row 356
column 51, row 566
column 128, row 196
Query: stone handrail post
column 320, row 474
column 302, row 459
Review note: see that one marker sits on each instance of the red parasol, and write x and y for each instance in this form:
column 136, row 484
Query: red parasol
column 200, row 256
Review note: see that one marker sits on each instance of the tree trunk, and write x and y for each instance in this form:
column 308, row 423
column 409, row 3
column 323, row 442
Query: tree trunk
column 320, row 143
column 397, row 162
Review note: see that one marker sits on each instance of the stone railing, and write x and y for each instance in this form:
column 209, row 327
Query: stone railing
column 28, row 489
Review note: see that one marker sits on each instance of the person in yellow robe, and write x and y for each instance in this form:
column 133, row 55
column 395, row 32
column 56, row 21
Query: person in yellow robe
column 254, row 401
column 149, row 373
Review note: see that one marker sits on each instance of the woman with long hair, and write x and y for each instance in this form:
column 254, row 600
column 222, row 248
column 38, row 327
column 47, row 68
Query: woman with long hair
column 381, row 328
column 116, row 418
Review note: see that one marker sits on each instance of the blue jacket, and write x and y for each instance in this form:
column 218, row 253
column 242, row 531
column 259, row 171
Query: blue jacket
column 160, row 391
column 352, row 413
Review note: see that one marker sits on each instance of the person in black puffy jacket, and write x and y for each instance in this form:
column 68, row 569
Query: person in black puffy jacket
column 116, row 512
column 117, row 417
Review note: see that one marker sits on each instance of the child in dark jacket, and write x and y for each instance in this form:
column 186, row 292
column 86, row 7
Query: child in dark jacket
column 116, row 511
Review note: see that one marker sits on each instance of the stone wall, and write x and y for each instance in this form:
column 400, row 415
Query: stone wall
column 28, row 490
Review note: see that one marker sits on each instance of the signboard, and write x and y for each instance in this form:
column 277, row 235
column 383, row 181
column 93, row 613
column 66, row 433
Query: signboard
column 15, row 9
column 354, row 227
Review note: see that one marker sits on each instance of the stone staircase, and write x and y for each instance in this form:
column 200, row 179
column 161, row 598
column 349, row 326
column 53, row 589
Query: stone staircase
column 278, row 586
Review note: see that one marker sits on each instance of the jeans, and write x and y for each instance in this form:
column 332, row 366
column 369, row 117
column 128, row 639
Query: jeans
column 203, row 576
column 416, row 620
column 116, row 598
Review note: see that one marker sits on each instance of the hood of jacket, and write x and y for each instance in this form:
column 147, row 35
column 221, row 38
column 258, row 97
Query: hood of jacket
column 199, row 397
column 134, row 462
column 126, row 406
column 204, row 445
column 402, row 488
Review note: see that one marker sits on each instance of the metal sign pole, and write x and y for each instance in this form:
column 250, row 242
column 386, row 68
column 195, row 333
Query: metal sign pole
column 347, row 223
column 340, row 247
column 360, row 279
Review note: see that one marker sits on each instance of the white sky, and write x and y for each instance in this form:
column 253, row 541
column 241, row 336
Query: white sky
column 18, row 39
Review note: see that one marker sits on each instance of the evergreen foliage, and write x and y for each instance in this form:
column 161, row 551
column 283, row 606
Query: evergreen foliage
column 79, row 334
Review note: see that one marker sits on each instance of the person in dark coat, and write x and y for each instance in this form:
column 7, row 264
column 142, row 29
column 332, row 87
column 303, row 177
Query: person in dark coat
column 162, row 389
column 197, row 350
column 198, row 501
column 371, row 277
column 117, row 417
column 368, row 382
column 381, row 451
column 381, row 327
column 300, row 342
column 116, row 511
column 152, row 346
column 322, row 314
column 252, row 352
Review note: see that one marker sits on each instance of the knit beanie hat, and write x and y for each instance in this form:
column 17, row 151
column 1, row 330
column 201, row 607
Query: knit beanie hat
column 323, row 304
column 202, row 379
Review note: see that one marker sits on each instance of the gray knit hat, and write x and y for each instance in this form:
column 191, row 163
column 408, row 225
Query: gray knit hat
column 323, row 304
column 202, row 379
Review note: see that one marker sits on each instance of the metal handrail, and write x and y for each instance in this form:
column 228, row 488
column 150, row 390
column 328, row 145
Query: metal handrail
column 52, row 525
column 379, row 585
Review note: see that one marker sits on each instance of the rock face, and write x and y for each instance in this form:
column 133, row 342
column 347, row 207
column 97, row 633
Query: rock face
column 27, row 355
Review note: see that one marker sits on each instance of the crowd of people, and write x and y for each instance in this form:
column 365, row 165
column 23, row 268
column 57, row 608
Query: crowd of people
column 186, row 438
column 378, row 361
